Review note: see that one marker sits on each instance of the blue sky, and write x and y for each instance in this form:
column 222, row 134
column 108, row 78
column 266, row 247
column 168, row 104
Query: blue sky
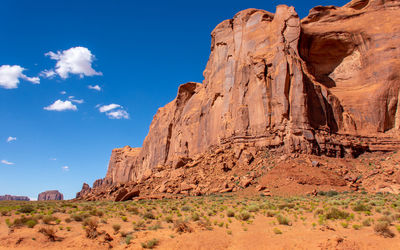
column 134, row 54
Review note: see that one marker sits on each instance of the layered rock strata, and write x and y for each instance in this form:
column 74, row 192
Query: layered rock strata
column 50, row 195
column 325, row 85
column 8, row 197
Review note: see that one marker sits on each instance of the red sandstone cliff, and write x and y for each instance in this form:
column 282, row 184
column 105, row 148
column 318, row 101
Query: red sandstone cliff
column 325, row 85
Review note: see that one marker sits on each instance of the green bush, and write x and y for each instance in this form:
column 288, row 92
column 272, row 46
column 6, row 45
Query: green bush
column 150, row 244
column 335, row 214
column 31, row 223
column 244, row 215
column 230, row 213
column 26, row 209
column 283, row 220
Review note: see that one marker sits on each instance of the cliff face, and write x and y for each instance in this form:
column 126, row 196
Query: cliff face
column 8, row 197
column 326, row 85
column 50, row 195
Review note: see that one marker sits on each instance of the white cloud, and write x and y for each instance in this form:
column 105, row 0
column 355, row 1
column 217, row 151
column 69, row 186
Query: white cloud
column 53, row 159
column 10, row 76
column 106, row 108
column 65, row 168
column 95, row 87
column 76, row 60
column 118, row 114
column 7, row 162
column 33, row 198
column 113, row 111
column 48, row 73
column 75, row 100
column 61, row 106
column 63, row 92
column 10, row 139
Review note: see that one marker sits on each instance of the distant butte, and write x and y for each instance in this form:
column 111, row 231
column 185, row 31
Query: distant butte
column 8, row 197
column 50, row 195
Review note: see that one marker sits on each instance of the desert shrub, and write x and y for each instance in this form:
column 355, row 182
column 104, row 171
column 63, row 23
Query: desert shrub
column 386, row 219
column 68, row 220
column 91, row 228
column 344, row 224
column 182, row 227
column 50, row 233
column 253, row 208
column 155, row 227
column 77, row 217
column 116, row 227
column 48, row 219
column 124, row 218
column 140, row 225
column 382, row 228
column 133, row 210
column 186, row 208
column 335, row 214
column 356, row 226
column 195, row 216
column 169, row 219
column 277, row 231
column 244, row 215
column 366, row 222
column 286, row 205
column 361, row 207
column 150, row 244
column 31, row 223
column 128, row 239
column 149, row 215
column 230, row 213
column 331, row 193
column 26, row 209
column 283, row 220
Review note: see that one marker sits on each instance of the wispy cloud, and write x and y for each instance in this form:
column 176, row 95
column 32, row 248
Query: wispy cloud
column 76, row 60
column 95, row 87
column 7, row 162
column 61, row 106
column 53, row 159
column 63, row 92
column 48, row 73
column 118, row 114
column 11, row 75
column 72, row 98
column 10, row 139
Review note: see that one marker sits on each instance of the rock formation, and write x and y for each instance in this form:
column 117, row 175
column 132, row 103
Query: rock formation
column 50, row 195
column 325, row 85
column 8, row 197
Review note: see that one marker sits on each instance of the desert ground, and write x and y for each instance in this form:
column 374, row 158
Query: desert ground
column 329, row 220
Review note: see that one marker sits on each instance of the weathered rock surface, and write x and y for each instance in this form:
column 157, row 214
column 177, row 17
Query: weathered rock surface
column 8, row 197
column 326, row 85
column 50, row 195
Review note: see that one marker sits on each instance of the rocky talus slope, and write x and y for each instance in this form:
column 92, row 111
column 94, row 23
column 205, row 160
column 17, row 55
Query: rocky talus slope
column 276, row 89
column 50, row 195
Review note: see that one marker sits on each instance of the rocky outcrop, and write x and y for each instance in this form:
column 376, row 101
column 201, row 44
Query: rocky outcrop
column 50, row 195
column 325, row 85
column 8, row 197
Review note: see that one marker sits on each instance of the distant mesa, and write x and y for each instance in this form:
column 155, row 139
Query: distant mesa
column 50, row 195
column 8, row 197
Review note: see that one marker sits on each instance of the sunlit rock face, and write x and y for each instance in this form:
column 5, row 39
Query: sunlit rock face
column 327, row 85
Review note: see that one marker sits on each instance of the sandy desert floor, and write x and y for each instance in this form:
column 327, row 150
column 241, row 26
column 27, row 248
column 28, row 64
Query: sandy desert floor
column 329, row 220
